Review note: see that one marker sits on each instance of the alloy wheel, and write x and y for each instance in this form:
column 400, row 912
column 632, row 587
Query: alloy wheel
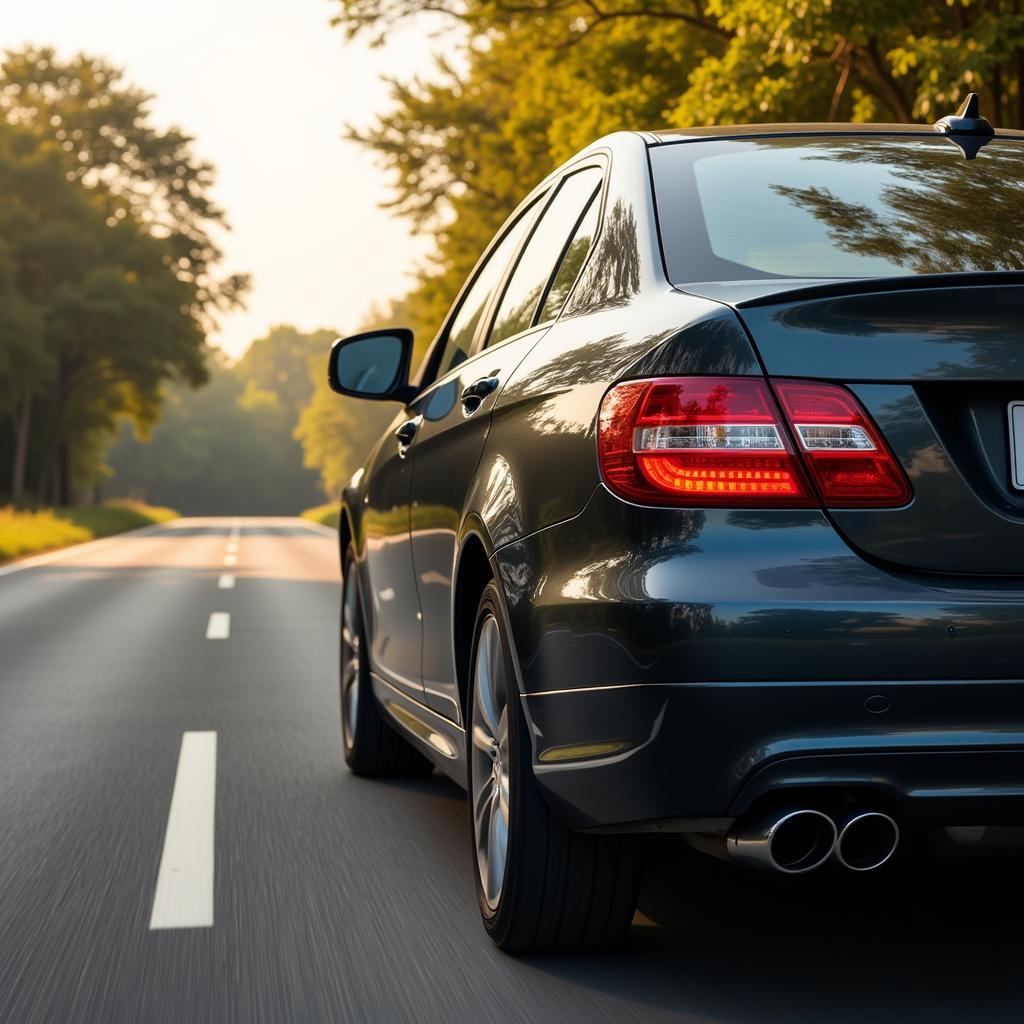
column 350, row 653
column 490, row 749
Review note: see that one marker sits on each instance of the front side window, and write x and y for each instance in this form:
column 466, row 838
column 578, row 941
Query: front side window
column 542, row 253
column 463, row 329
column 837, row 207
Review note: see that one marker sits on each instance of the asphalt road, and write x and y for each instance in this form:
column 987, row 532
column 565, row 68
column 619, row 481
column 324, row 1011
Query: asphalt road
column 339, row 899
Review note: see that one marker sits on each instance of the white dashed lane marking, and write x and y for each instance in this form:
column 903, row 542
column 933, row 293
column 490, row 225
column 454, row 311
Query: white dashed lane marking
column 231, row 559
column 184, row 884
column 219, row 626
column 226, row 582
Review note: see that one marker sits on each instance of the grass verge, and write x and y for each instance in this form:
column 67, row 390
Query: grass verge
column 26, row 533
column 325, row 514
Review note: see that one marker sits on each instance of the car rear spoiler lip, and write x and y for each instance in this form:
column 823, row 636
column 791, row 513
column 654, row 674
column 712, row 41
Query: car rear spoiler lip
column 870, row 285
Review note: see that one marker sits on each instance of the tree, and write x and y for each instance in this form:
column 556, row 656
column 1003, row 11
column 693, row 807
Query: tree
column 22, row 363
column 103, row 129
column 337, row 433
column 280, row 363
column 464, row 148
column 224, row 448
column 107, row 220
column 765, row 59
column 540, row 79
column 104, row 318
column 457, row 170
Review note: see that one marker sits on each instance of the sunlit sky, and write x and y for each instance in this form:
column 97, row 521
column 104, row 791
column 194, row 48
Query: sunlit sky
column 266, row 87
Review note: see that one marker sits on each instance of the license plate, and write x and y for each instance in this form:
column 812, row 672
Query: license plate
column 1017, row 444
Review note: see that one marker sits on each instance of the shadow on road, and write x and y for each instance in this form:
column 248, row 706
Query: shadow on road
column 932, row 941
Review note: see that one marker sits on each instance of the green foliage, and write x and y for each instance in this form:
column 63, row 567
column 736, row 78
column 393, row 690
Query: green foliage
column 22, row 356
column 228, row 447
column 542, row 78
column 22, row 533
column 740, row 60
column 116, row 516
column 102, row 129
column 337, row 433
column 326, row 515
column 280, row 363
column 107, row 267
column 459, row 169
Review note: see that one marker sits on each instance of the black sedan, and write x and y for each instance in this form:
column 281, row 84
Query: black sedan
column 704, row 515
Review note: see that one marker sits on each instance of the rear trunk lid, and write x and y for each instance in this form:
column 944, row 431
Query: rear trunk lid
column 938, row 362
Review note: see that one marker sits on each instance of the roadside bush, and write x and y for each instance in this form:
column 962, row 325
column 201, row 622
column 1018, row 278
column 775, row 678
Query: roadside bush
column 325, row 514
column 23, row 533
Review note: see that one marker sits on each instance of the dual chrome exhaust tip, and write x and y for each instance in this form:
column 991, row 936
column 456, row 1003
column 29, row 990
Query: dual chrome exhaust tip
column 866, row 841
column 794, row 843
column 801, row 840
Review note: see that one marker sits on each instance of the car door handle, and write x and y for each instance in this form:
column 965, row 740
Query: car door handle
column 474, row 394
column 406, row 434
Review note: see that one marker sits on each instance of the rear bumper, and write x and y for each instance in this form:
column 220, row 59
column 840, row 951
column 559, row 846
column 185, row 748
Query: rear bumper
column 681, row 663
column 949, row 753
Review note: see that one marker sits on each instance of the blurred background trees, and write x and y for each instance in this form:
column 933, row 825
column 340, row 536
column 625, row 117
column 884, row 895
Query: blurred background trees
column 108, row 263
column 229, row 446
column 109, row 279
column 540, row 79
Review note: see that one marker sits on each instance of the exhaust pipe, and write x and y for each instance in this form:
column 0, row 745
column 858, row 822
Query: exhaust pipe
column 792, row 843
column 866, row 841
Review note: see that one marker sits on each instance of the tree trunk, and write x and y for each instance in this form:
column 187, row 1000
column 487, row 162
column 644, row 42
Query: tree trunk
column 46, row 474
column 883, row 84
column 63, row 495
column 995, row 91
column 1018, row 56
column 21, row 431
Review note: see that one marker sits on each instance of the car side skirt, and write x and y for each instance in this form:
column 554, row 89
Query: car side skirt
column 435, row 736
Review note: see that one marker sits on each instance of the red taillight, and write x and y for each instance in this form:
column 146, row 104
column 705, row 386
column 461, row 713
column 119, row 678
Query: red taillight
column 700, row 441
column 720, row 441
column 846, row 455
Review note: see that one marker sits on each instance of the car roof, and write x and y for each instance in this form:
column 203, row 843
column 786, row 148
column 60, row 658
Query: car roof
column 733, row 131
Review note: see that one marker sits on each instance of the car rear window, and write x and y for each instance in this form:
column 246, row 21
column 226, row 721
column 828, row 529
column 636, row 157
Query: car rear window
column 828, row 207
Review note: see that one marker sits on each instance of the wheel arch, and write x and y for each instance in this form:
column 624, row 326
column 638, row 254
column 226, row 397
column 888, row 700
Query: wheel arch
column 473, row 571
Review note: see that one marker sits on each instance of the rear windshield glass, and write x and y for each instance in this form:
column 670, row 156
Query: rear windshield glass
column 837, row 207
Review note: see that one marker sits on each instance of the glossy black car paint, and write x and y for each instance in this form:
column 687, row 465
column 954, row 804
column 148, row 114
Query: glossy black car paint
column 712, row 657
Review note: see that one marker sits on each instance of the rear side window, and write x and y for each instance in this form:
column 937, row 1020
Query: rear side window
column 463, row 328
column 572, row 260
column 530, row 279
column 853, row 207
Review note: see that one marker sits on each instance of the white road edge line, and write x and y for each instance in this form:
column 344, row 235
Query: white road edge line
column 231, row 559
column 219, row 626
column 226, row 582
column 184, row 883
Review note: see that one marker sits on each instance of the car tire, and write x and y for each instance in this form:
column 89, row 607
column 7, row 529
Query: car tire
column 550, row 889
column 371, row 747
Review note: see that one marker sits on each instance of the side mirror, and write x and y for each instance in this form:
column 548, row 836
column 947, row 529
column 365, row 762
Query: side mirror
column 373, row 365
